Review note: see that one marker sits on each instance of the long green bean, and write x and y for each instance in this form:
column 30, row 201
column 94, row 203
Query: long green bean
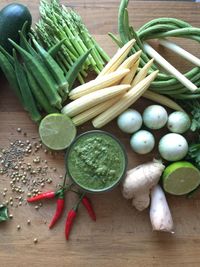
column 160, row 28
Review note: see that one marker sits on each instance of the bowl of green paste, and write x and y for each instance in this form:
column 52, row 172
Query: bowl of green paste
column 96, row 161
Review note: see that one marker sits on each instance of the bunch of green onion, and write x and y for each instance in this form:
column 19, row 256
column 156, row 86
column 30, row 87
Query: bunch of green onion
column 57, row 23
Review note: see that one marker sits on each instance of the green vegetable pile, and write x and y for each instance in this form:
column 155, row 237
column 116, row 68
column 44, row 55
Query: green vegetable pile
column 37, row 79
column 155, row 29
column 61, row 23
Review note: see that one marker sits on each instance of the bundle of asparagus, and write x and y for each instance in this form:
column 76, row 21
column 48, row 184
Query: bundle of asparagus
column 62, row 23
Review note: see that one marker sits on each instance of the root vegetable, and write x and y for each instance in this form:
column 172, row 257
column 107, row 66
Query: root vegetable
column 160, row 214
column 139, row 181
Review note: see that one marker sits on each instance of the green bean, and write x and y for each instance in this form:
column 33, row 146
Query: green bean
column 121, row 26
column 154, row 29
column 177, row 22
column 115, row 39
column 35, row 67
column 28, row 100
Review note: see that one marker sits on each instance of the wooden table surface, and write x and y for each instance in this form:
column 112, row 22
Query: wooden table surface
column 121, row 236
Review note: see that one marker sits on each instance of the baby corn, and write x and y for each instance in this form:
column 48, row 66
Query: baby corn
column 125, row 102
column 94, row 111
column 101, row 83
column 83, row 103
column 163, row 100
column 130, row 61
column 142, row 73
column 117, row 59
column 130, row 76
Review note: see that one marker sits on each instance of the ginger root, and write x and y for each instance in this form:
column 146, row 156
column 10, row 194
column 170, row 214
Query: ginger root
column 160, row 214
column 139, row 181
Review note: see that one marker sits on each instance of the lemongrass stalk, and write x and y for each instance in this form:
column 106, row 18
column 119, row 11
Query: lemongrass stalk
column 180, row 51
column 125, row 102
column 168, row 67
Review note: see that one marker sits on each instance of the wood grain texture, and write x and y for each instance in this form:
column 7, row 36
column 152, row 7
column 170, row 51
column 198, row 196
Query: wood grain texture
column 121, row 236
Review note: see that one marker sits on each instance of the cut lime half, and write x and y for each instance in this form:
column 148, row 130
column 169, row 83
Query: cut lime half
column 57, row 131
column 180, row 178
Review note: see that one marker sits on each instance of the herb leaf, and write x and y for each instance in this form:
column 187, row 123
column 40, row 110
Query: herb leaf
column 3, row 213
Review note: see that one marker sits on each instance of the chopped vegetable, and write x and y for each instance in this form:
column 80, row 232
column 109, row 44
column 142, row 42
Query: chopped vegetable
column 173, row 147
column 139, row 181
column 130, row 121
column 155, row 117
column 160, row 215
column 142, row 142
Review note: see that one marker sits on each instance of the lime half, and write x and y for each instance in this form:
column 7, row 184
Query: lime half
column 57, row 131
column 180, row 178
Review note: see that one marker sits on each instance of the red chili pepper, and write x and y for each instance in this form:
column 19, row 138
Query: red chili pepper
column 71, row 216
column 59, row 209
column 46, row 195
column 69, row 222
column 87, row 204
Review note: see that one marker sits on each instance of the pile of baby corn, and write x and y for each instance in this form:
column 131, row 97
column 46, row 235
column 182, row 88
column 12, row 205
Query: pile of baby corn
column 114, row 90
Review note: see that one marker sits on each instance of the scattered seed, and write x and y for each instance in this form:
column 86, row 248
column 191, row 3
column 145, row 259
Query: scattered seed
column 29, row 222
column 10, row 216
column 19, row 130
column 18, row 227
column 35, row 240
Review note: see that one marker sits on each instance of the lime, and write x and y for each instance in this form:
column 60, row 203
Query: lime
column 180, row 178
column 57, row 131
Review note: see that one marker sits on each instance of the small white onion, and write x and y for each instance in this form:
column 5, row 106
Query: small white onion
column 173, row 147
column 178, row 122
column 130, row 121
column 155, row 117
column 142, row 142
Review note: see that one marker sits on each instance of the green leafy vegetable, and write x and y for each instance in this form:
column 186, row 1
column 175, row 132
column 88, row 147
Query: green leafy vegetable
column 194, row 154
column 3, row 213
